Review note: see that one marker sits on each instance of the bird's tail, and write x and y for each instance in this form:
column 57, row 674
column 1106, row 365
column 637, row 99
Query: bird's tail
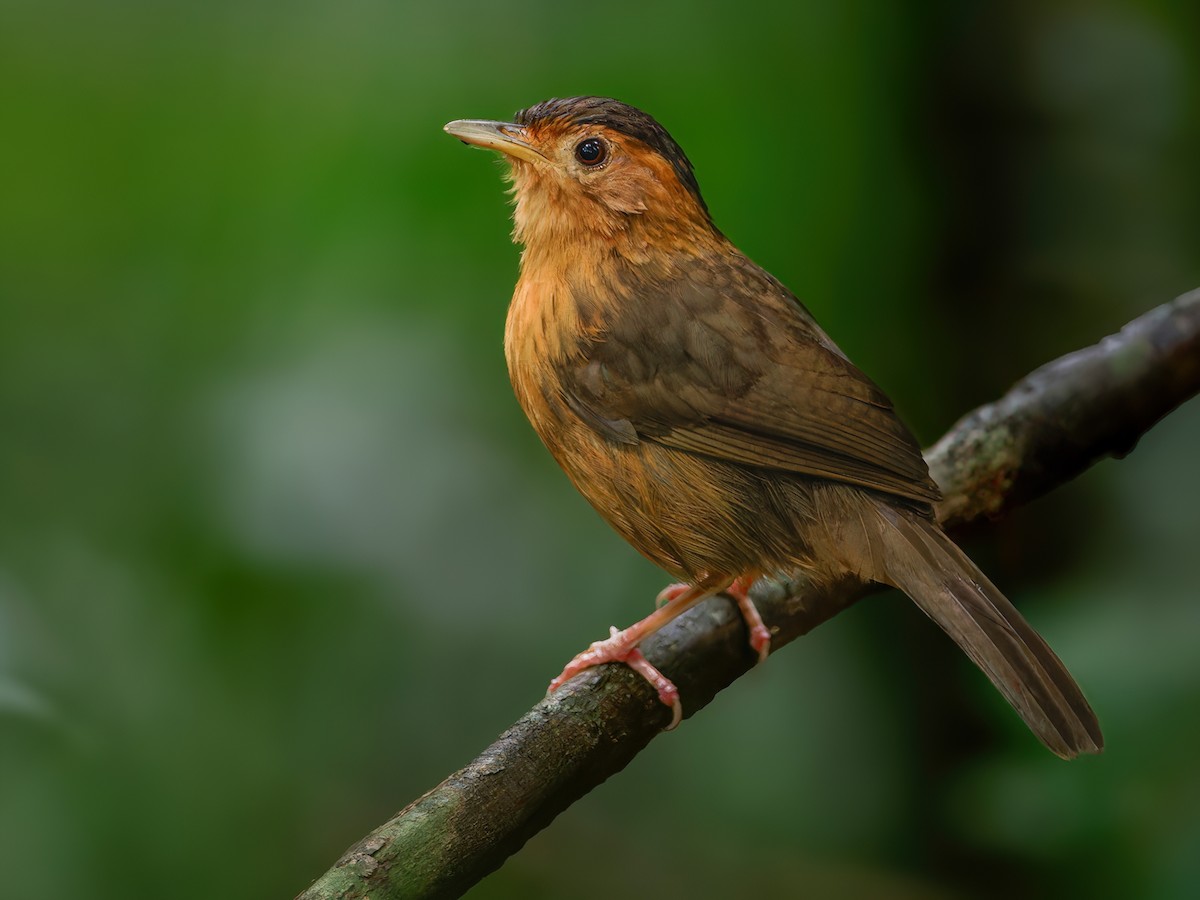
column 917, row 557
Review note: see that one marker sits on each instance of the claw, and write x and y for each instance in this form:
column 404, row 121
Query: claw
column 621, row 646
column 668, row 694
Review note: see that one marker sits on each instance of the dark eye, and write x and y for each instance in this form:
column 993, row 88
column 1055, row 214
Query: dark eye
column 591, row 152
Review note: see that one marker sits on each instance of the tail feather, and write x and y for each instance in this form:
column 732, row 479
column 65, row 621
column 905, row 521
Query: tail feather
column 919, row 559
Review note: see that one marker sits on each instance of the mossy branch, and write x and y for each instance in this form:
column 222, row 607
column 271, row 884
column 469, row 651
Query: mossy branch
column 1047, row 429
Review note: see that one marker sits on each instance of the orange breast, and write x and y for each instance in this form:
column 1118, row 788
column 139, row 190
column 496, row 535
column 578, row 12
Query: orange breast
column 684, row 512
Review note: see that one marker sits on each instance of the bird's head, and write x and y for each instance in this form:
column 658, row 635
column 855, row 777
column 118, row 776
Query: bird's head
column 592, row 168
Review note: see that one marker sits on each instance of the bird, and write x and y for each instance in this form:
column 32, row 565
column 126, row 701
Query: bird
column 705, row 415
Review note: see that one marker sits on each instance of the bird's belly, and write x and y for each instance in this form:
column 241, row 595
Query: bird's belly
column 691, row 515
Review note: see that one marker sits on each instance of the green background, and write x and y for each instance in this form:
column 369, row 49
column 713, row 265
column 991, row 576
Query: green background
column 278, row 550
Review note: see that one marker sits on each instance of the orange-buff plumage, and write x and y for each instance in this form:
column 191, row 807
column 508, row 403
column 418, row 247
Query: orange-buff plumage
column 706, row 416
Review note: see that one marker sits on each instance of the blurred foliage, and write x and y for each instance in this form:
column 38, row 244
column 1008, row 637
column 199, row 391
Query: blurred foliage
column 278, row 551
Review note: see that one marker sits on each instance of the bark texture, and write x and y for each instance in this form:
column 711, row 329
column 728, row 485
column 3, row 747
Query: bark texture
column 1051, row 426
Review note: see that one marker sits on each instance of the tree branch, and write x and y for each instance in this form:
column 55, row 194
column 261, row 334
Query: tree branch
column 1047, row 429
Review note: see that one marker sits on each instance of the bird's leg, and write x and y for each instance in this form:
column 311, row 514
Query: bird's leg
column 760, row 635
column 621, row 646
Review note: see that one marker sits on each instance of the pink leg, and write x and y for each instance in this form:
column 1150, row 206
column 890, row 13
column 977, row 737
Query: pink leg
column 760, row 635
column 669, row 593
column 621, row 646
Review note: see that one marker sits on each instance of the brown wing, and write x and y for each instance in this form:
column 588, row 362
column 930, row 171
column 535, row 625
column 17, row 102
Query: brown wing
column 720, row 360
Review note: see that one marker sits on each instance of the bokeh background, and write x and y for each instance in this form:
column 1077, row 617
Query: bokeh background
column 278, row 550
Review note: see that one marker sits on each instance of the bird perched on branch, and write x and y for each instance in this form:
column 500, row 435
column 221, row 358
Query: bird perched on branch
column 706, row 416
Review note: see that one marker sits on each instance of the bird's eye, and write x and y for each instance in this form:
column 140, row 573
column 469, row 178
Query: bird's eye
column 591, row 152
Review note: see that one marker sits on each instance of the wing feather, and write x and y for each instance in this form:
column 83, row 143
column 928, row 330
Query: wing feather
column 722, row 361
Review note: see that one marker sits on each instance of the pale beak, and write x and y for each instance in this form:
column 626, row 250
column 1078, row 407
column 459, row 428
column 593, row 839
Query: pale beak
column 502, row 136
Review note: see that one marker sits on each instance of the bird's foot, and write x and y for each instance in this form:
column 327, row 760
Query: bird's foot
column 621, row 646
column 760, row 635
